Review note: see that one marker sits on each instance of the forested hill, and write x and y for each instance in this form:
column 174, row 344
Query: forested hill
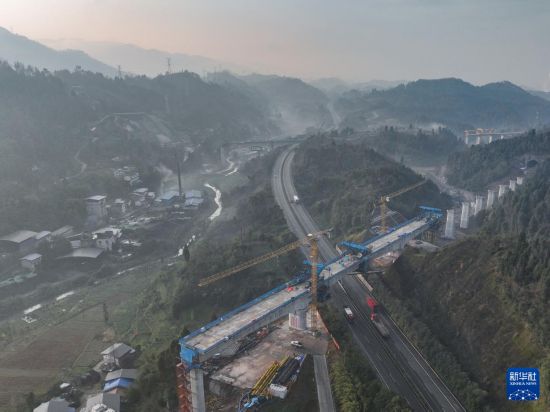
column 451, row 102
column 481, row 165
column 485, row 300
column 46, row 119
column 341, row 182
column 416, row 148
column 299, row 105
column 525, row 211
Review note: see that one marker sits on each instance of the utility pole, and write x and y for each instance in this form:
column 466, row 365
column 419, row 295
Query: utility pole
column 105, row 313
column 168, row 65
column 176, row 154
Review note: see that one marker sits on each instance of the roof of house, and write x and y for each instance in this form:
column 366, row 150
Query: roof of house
column 121, row 373
column 193, row 202
column 119, row 202
column 19, row 237
column 54, row 405
column 85, row 252
column 110, row 400
column 117, row 383
column 42, row 234
column 63, row 231
column 117, row 350
column 32, row 256
column 193, row 193
column 110, row 231
column 169, row 195
column 141, row 190
column 105, row 235
column 96, row 198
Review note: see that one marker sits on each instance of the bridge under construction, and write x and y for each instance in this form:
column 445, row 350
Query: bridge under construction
column 224, row 336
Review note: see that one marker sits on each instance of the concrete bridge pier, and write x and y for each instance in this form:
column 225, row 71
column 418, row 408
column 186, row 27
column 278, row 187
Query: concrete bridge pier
column 298, row 318
column 196, row 381
column 465, row 215
column 478, row 207
column 490, row 198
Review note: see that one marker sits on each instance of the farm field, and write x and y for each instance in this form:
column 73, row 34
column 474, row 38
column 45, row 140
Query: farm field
column 68, row 335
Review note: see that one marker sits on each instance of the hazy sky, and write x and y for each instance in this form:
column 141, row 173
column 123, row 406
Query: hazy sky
column 478, row 40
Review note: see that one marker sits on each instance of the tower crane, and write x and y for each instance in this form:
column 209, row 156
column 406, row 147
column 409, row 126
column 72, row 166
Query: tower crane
column 384, row 200
column 310, row 240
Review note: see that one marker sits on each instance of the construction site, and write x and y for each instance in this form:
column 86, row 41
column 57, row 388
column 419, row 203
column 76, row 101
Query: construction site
column 251, row 348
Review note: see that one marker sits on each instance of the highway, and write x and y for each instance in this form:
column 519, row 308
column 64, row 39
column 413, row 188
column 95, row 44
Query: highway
column 397, row 363
column 322, row 380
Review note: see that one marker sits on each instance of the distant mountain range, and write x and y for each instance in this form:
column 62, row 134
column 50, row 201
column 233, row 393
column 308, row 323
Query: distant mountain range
column 298, row 106
column 15, row 48
column 102, row 57
column 544, row 95
column 295, row 105
column 450, row 102
column 333, row 86
column 137, row 60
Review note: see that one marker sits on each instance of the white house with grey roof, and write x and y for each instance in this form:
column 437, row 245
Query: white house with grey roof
column 108, row 400
column 31, row 261
column 114, row 354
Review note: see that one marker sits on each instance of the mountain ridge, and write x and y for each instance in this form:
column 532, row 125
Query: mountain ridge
column 449, row 101
column 144, row 61
column 15, row 48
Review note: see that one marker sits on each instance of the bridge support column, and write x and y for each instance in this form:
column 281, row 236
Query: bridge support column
column 465, row 215
column 298, row 319
column 196, row 383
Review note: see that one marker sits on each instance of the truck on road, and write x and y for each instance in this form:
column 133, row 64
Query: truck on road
column 295, row 199
column 378, row 324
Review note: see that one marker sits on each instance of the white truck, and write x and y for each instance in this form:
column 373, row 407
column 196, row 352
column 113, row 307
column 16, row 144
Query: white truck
column 295, row 199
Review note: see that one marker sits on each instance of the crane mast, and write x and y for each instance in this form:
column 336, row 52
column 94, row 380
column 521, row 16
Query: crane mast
column 385, row 199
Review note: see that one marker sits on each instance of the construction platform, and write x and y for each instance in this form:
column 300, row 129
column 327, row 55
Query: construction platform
column 245, row 369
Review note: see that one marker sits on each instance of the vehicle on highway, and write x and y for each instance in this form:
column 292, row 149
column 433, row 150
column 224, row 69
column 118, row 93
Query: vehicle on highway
column 297, row 343
column 349, row 314
column 373, row 305
column 295, row 199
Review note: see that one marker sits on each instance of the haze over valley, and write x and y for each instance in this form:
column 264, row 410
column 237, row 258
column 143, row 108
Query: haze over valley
column 274, row 207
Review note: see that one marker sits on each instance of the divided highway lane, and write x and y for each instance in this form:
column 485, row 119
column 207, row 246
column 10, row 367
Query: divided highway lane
column 368, row 338
column 399, row 365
